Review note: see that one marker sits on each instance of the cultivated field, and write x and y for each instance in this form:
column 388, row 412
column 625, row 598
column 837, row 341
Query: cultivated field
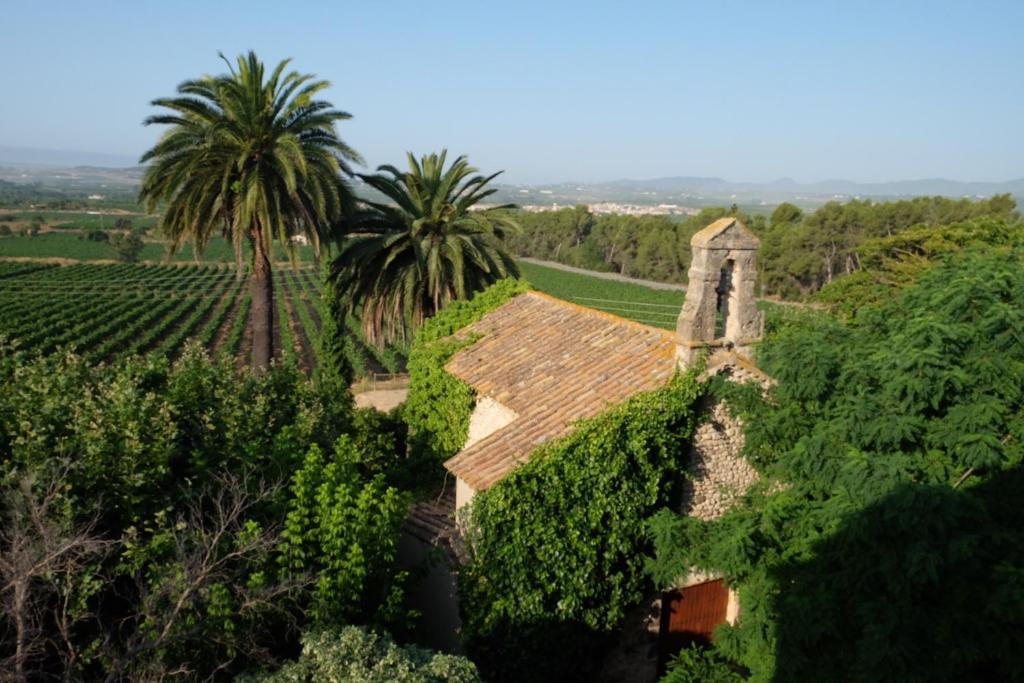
column 105, row 311
column 109, row 311
column 73, row 245
column 655, row 307
column 76, row 220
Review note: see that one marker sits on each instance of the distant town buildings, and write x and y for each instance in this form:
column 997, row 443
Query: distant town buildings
column 603, row 208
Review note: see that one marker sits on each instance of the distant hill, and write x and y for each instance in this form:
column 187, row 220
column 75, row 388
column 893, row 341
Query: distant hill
column 926, row 186
column 82, row 171
column 31, row 156
column 703, row 191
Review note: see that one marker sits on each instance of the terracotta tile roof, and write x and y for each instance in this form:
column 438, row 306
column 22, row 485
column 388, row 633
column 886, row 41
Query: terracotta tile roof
column 433, row 523
column 553, row 363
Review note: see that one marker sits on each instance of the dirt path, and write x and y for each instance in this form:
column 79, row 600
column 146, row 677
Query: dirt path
column 229, row 320
column 604, row 276
column 303, row 347
column 383, row 400
column 651, row 283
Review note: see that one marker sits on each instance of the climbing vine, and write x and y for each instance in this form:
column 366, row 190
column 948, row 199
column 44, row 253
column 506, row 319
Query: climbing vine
column 557, row 547
column 439, row 404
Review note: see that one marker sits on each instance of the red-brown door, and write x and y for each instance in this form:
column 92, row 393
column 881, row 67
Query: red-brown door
column 689, row 615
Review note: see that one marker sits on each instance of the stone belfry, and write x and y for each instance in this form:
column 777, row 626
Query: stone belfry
column 720, row 311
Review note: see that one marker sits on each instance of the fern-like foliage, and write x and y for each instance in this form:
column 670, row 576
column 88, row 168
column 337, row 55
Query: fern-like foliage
column 891, row 446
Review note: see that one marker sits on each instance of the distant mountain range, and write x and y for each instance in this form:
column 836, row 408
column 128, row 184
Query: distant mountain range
column 78, row 170
column 31, row 156
column 698, row 192
column 720, row 186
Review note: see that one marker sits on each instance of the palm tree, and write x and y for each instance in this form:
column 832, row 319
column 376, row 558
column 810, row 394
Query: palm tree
column 256, row 158
column 407, row 258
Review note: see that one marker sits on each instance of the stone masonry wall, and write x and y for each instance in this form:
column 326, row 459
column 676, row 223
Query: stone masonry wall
column 717, row 472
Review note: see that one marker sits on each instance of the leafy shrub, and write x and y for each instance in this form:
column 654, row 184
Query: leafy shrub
column 128, row 247
column 556, row 548
column 344, row 530
column 699, row 665
column 354, row 655
column 178, row 472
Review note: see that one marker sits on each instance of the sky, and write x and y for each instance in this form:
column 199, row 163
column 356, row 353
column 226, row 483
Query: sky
column 561, row 91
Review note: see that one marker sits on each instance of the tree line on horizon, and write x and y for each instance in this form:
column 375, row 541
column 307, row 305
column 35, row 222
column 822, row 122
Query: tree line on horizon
column 800, row 251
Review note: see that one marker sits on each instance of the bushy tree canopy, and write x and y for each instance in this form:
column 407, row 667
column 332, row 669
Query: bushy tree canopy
column 143, row 507
column 891, row 447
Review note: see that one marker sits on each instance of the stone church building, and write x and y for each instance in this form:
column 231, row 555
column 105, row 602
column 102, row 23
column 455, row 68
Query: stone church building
column 540, row 364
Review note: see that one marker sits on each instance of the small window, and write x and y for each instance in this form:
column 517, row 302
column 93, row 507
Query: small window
column 724, row 290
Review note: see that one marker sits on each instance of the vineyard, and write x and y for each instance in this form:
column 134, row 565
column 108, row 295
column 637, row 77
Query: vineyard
column 655, row 307
column 104, row 312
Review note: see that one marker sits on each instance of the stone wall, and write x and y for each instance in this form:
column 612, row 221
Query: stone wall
column 717, row 472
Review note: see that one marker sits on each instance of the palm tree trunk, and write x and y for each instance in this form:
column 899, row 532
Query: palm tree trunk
column 261, row 290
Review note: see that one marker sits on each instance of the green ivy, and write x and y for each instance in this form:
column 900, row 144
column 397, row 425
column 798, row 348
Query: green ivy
column 439, row 404
column 557, row 547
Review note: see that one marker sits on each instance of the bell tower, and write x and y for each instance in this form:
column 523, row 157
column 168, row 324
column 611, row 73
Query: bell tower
column 720, row 310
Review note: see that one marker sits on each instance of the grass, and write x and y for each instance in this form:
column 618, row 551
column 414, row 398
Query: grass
column 656, row 307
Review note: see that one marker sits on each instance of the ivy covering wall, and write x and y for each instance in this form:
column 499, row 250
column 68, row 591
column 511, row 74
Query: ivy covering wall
column 557, row 547
column 439, row 405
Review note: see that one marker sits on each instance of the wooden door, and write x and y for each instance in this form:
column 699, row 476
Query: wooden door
column 689, row 615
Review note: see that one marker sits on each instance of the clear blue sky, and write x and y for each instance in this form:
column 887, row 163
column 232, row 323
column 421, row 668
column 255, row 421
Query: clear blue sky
column 562, row 91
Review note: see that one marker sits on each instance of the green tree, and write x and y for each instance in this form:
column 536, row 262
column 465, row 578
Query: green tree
column 128, row 248
column 786, row 213
column 429, row 246
column 255, row 157
column 891, row 450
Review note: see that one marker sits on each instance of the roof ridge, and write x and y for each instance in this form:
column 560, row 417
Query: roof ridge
column 599, row 313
